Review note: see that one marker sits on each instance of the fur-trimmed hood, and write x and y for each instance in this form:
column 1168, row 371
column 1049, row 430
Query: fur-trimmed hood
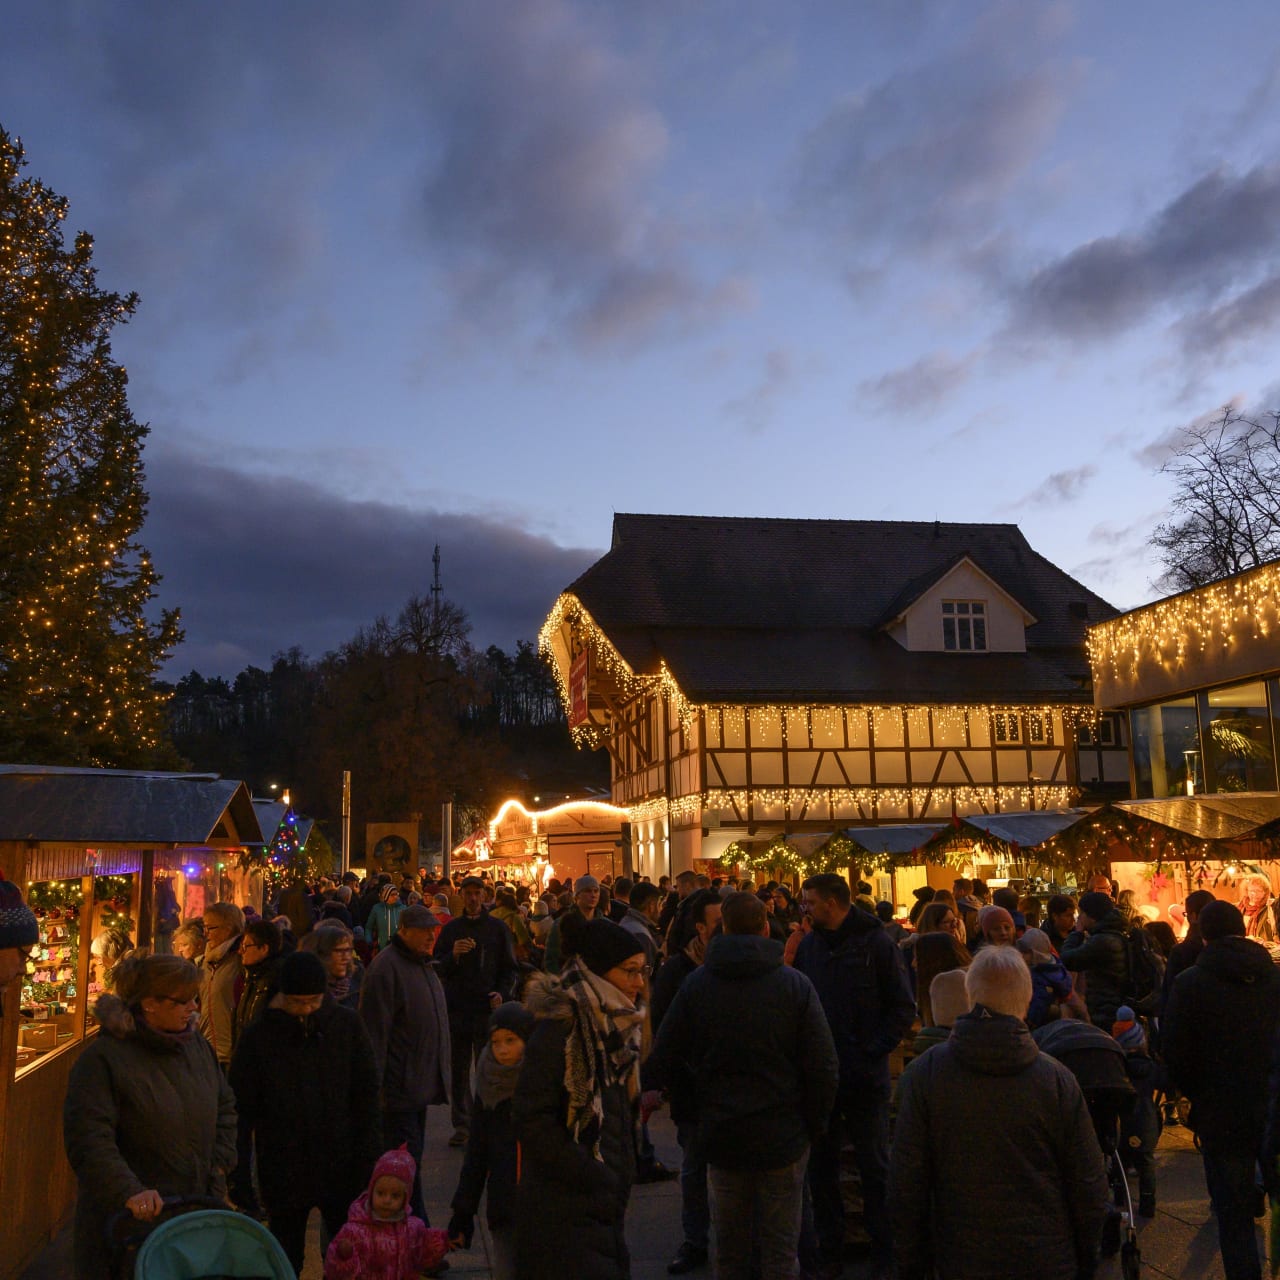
column 545, row 997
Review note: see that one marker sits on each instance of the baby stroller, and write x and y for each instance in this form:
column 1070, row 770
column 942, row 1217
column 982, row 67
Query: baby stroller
column 1098, row 1064
column 194, row 1239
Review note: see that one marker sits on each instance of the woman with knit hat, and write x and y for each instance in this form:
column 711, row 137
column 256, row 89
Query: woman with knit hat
column 384, row 919
column 576, row 1108
column 149, row 1113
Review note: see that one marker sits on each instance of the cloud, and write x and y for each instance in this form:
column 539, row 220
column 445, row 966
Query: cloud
column 1160, row 448
column 1060, row 487
column 258, row 563
column 926, row 157
column 1246, row 318
column 922, row 385
column 755, row 410
column 1207, row 240
column 543, row 177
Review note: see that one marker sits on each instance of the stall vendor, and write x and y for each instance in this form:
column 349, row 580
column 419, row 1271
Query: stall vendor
column 1258, row 906
column 19, row 932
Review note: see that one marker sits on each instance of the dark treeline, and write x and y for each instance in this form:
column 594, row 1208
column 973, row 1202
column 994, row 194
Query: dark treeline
column 416, row 714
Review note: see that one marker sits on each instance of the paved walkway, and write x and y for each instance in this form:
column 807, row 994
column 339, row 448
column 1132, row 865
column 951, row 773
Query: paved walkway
column 1179, row 1243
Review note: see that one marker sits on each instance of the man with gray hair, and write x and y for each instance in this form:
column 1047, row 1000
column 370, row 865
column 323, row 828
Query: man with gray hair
column 223, row 927
column 1037, row 1161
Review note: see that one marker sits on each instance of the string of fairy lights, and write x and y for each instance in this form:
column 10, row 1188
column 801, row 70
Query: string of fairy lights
column 1197, row 623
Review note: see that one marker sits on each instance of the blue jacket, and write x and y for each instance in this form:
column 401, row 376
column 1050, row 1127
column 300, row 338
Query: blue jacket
column 862, row 983
column 1050, row 984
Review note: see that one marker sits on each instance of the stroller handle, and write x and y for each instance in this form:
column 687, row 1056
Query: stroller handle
column 171, row 1206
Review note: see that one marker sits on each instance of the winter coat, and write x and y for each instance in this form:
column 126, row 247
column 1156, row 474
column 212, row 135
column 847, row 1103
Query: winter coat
column 337, row 910
column 568, row 1203
column 555, row 959
column 489, row 966
column 862, row 982
column 666, row 982
column 1183, row 956
column 261, row 982
column 1103, row 957
column 511, row 918
column 1217, row 1035
column 1050, row 985
column 144, row 1111
column 218, row 981
column 491, row 1158
column 402, row 1006
column 975, row 1203
column 356, row 979
column 746, row 1048
column 382, row 924
column 927, row 1037
column 307, row 1090
column 400, row 1250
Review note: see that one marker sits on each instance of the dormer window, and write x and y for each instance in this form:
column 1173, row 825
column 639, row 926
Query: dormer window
column 964, row 625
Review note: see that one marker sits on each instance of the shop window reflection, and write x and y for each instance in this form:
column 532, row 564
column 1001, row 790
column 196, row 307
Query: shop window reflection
column 1165, row 741
column 1238, row 750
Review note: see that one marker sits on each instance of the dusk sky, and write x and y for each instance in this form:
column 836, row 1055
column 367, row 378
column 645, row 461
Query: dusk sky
column 482, row 273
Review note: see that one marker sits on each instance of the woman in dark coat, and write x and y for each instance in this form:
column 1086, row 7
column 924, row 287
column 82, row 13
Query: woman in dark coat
column 260, row 956
column 148, row 1113
column 576, row 1109
column 307, row 1091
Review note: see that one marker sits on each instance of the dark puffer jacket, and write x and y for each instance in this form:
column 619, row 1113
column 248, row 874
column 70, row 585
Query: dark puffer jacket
column 970, row 1203
column 144, row 1111
column 746, row 1048
column 307, row 1089
column 860, row 978
column 1217, row 1035
column 570, row 1207
column 261, row 982
column 1103, row 957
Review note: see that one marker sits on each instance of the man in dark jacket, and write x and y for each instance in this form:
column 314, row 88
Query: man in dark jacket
column 746, row 1047
column 1099, row 948
column 1187, row 952
column 620, row 898
column 641, row 918
column 402, row 1005
column 1029, row 1182
column 476, row 959
column 306, row 1057
column 1218, row 1034
column 859, row 975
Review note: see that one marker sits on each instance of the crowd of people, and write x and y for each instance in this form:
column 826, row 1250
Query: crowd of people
column 285, row 1064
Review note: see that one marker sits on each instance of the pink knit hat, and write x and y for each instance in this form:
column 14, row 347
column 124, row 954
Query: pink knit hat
column 396, row 1164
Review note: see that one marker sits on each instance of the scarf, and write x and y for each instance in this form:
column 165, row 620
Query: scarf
column 603, row 1047
column 494, row 1082
column 340, row 988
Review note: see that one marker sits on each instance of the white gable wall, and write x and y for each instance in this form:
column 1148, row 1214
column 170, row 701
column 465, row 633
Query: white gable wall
column 920, row 628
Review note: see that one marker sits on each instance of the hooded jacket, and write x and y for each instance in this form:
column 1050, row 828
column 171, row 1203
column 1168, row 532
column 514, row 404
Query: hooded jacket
column 862, row 983
column 307, row 1090
column 1217, row 1035
column 1103, row 956
column 385, row 1250
column 143, row 1111
column 567, row 1199
column 402, row 1006
column 745, row 1047
column 970, row 1203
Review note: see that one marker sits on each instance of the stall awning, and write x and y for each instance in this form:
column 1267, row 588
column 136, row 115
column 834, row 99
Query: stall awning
column 1026, row 830
column 1208, row 817
column 905, row 838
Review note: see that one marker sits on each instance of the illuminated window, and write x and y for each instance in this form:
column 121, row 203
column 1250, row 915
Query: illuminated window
column 1008, row 726
column 964, row 625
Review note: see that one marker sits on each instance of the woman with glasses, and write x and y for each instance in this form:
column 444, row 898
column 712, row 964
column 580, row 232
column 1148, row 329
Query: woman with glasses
column 576, row 1106
column 148, row 1112
column 260, row 957
column 333, row 943
column 223, row 925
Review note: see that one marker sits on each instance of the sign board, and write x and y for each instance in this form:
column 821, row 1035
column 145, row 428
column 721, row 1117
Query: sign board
column 391, row 847
column 578, row 674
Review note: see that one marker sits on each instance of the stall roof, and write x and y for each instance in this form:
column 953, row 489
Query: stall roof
column 271, row 814
column 894, row 839
column 116, row 806
column 1026, row 829
column 1209, row 817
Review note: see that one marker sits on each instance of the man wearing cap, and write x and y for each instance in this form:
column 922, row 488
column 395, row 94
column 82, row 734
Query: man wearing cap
column 476, row 960
column 1098, row 947
column 19, row 932
column 586, row 904
column 1217, row 1035
column 305, row 1057
column 403, row 1007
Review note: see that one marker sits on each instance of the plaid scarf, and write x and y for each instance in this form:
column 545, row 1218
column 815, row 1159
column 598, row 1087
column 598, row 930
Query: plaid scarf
column 603, row 1047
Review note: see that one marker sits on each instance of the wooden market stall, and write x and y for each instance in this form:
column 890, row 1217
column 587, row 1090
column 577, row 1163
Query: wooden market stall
column 105, row 858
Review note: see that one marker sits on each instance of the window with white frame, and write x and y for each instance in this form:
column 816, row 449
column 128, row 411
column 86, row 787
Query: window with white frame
column 964, row 625
column 1008, row 726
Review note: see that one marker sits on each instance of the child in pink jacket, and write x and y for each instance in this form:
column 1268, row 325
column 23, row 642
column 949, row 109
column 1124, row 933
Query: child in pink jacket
column 382, row 1240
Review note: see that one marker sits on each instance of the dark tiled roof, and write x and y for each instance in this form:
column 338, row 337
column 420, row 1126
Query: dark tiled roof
column 118, row 807
column 764, row 610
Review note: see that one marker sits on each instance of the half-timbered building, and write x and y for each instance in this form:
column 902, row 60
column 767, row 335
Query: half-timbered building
column 754, row 676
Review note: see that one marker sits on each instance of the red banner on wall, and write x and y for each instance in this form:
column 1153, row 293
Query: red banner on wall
column 578, row 672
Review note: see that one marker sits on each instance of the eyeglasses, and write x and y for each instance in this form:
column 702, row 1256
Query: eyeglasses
column 217, row 928
column 642, row 972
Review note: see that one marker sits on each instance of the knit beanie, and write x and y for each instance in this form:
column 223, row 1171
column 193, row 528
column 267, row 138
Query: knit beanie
column 303, row 974
column 397, row 1164
column 18, row 927
column 1221, row 920
column 948, row 998
column 1127, row 1031
column 1035, row 945
column 605, row 945
column 993, row 915
column 1096, row 905
column 514, row 1017
column 388, row 892
column 583, row 884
